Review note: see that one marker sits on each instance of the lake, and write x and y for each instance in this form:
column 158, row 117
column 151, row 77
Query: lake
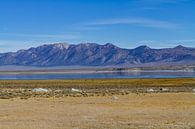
column 145, row 74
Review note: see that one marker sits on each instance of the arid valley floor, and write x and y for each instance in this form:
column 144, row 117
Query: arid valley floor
column 109, row 104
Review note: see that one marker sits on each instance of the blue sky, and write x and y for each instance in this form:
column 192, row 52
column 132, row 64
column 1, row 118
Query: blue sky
column 125, row 23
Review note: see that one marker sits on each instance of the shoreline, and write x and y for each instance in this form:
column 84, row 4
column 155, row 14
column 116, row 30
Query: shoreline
column 92, row 71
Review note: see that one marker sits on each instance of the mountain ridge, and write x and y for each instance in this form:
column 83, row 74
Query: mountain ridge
column 93, row 54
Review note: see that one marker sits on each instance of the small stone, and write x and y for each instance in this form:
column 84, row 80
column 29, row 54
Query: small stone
column 115, row 97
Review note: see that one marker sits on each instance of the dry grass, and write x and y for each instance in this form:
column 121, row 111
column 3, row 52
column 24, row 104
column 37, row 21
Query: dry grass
column 97, row 87
column 143, row 111
column 98, row 83
column 95, row 107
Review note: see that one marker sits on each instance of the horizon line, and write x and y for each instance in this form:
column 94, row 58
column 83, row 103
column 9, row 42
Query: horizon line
column 65, row 43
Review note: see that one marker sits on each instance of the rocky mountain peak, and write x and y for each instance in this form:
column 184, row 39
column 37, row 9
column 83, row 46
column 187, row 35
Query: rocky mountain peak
column 61, row 45
column 180, row 47
column 142, row 48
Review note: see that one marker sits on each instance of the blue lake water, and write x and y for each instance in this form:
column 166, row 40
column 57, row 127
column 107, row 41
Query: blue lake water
column 149, row 74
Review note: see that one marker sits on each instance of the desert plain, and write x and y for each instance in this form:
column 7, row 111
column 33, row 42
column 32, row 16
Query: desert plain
column 98, row 104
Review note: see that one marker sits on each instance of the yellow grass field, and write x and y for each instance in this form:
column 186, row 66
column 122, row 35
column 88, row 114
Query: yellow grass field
column 133, row 111
column 99, row 104
column 98, row 83
column 94, row 87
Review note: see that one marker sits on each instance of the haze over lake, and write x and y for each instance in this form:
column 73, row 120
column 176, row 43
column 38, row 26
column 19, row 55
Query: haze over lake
column 144, row 74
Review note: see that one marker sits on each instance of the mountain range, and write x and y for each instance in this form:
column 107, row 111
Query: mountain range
column 92, row 54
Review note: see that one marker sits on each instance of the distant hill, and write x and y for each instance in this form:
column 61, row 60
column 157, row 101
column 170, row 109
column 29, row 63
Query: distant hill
column 91, row 54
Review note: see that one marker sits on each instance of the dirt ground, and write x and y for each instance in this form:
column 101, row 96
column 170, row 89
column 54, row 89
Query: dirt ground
column 132, row 111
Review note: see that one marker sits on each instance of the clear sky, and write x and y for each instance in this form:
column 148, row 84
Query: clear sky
column 125, row 23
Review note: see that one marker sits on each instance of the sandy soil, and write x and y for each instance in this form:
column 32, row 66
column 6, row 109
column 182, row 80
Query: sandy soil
column 146, row 110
